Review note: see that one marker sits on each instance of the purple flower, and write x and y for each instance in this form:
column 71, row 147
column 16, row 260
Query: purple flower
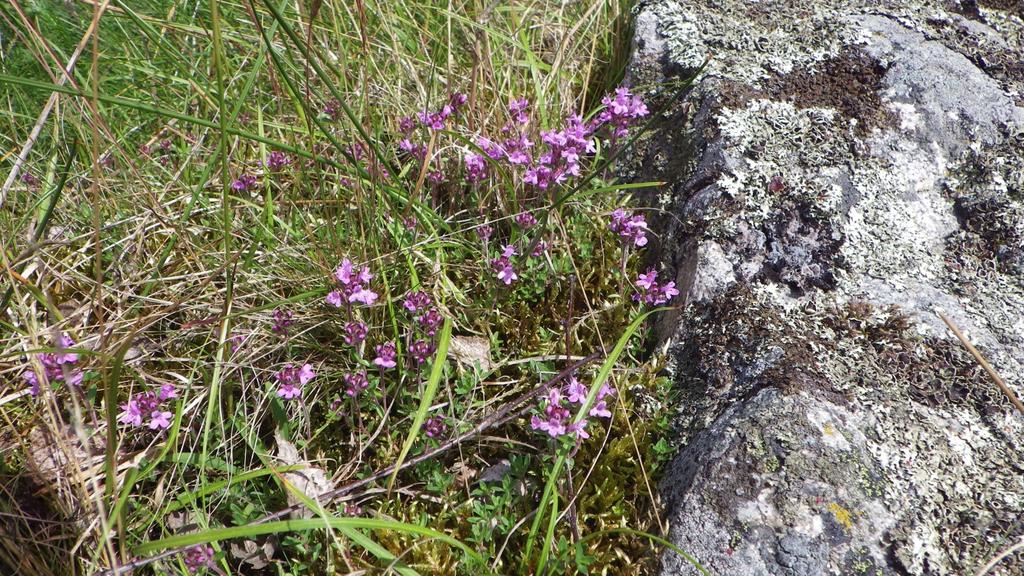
column 355, row 382
column 651, row 293
column 648, row 280
column 131, row 413
column 282, row 320
column 277, row 161
column 577, row 392
column 63, row 357
column 630, row 227
column 244, row 182
column 332, row 109
column 288, row 391
column 167, row 391
column 334, row 298
column 430, row 321
column 484, row 232
column 149, row 405
column 526, row 220
column 555, row 416
column 386, row 354
column 600, row 407
column 539, row 249
column 29, row 180
column 621, row 111
column 363, row 295
column 290, row 378
column 353, row 285
column 518, row 110
column 476, row 167
column 416, row 301
column 198, row 557
column 502, row 265
column 355, row 332
column 160, row 420
column 421, row 351
column 406, row 125
column 33, row 381
column 434, row 427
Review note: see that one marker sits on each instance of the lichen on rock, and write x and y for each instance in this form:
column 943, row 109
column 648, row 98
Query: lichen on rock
column 845, row 171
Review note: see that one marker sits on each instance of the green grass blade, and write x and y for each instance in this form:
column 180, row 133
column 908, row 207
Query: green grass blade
column 436, row 371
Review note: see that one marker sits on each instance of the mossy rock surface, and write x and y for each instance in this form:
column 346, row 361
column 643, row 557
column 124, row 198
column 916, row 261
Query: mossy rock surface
column 841, row 173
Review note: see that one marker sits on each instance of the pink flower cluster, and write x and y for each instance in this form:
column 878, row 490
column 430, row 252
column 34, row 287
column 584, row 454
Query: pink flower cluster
column 503, row 267
column 245, row 182
column 355, row 332
column 386, row 356
column 355, row 382
column 57, row 366
column 555, row 417
column 630, row 227
column 651, row 293
column 420, row 305
column 437, row 120
column 149, row 407
column 435, row 427
column 277, row 161
column 563, row 148
column 621, row 110
column 353, row 286
column 198, row 557
column 421, row 351
column 290, row 378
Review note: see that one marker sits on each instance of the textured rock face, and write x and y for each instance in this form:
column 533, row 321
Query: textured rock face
column 841, row 172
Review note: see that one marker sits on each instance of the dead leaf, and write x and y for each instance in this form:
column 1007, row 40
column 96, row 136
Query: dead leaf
column 311, row 481
column 253, row 553
column 471, row 351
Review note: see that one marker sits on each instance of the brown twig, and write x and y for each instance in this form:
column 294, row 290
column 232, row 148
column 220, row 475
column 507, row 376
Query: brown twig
column 984, row 364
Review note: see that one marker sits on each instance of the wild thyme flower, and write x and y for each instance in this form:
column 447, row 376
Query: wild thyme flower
column 621, row 110
column 291, row 378
column 539, row 249
column 332, row 109
column 629, row 227
column 430, row 321
column 355, row 332
column 386, row 355
column 556, row 419
column 355, row 382
column 416, row 301
column 435, row 427
column 485, row 232
column 148, row 408
column 518, row 109
column 525, row 220
column 29, row 180
column 198, row 557
column 282, row 320
column 58, row 366
column 502, row 265
column 651, row 293
column 277, row 161
column 476, row 167
column 245, row 182
column 421, row 350
column 352, row 285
